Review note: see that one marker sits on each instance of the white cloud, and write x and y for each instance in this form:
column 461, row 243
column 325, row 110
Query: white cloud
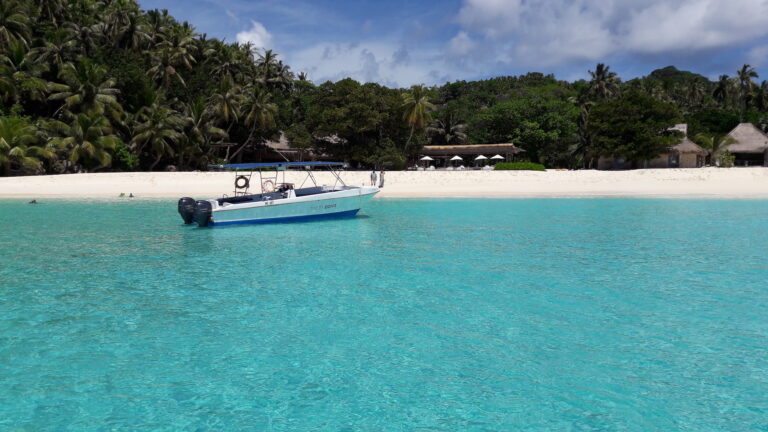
column 372, row 61
column 461, row 45
column 495, row 37
column 556, row 32
column 695, row 25
column 256, row 35
column 493, row 18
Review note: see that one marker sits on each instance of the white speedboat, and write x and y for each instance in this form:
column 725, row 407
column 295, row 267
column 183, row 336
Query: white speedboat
column 277, row 201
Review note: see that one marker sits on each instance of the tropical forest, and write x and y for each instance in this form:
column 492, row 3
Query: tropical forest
column 102, row 85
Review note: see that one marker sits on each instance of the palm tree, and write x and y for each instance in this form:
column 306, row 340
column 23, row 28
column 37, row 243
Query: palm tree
column 228, row 63
column 266, row 62
column 200, row 131
column 133, row 35
column 695, row 94
column 203, row 48
column 55, row 51
column 714, row 144
column 163, row 70
column 88, row 139
column 17, row 145
column 179, row 41
column 52, row 10
column 583, row 149
column 417, row 110
column 83, row 35
column 722, row 90
column 447, row 130
column 261, row 113
column 270, row 72
column 604, row 83
column 225, row 106
column 761, row 96
column 118, row 16
column 20, row 75
column 86, row 88
column 14, row 23
column 745, row 75
column 158, row 22
column 160, row 129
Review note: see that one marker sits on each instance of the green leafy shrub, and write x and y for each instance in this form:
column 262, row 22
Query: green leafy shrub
column 726, row 159
column 519, row 166
column 124, row 159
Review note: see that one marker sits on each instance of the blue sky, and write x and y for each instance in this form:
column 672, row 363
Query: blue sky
column 400, row 43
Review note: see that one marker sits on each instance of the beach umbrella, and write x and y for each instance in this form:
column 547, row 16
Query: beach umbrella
column 481, row 157
column 426, row 160
column 455, row 158
column 497, row 157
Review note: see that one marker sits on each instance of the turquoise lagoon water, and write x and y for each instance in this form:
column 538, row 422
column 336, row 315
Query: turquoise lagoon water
column 432, row 315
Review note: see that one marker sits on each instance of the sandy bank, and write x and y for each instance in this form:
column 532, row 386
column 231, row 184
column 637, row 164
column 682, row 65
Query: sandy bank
column 704, row 182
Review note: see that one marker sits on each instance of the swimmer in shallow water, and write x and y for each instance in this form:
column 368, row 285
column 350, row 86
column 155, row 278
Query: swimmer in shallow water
column 32, row 202
column 130, row 195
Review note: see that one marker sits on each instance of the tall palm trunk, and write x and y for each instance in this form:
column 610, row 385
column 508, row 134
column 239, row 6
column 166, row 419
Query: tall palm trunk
column 247, row 141
column 410, row 136
column 154, row 164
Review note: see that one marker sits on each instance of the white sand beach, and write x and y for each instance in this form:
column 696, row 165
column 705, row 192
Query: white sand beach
column 701, row 182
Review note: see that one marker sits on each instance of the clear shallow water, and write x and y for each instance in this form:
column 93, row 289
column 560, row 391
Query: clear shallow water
column 592, row 314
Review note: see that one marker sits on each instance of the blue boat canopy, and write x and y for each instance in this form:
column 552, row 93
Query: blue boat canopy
column 245, row 166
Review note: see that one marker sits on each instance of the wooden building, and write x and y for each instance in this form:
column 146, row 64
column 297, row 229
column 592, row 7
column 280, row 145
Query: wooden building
column 468, row 152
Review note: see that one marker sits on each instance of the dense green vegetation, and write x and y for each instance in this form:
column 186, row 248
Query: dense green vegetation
column 519, row 166
column 88, row 85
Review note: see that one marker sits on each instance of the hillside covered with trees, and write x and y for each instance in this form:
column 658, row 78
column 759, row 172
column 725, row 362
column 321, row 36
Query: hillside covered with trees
column 98, row 85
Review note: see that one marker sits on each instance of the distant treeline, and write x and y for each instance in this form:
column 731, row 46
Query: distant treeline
column 89, row 85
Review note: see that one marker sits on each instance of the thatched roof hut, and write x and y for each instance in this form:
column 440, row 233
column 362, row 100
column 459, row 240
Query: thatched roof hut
column 686, row 146
column 749, row 139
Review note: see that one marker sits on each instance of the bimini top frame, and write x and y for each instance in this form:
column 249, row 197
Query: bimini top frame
column 255, row 166
column 273, row 181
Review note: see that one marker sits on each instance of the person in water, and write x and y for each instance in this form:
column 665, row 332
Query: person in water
column 130, row 195
column 34, row 201
column 381, row 179
column 373, row 177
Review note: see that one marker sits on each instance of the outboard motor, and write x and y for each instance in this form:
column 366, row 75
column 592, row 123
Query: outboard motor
column 203, row 211
column 187, row 209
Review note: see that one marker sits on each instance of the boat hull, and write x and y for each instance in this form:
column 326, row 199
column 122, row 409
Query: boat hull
column 338, row 204
column 287, row 219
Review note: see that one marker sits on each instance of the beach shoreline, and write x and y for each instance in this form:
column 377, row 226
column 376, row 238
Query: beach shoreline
column 721, row 183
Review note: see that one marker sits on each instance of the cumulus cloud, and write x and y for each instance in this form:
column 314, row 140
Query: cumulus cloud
column 555, row 32
column 461, row 44
column 694, row 25
column 484, row 38
column 373, row 61
column 256, row 35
